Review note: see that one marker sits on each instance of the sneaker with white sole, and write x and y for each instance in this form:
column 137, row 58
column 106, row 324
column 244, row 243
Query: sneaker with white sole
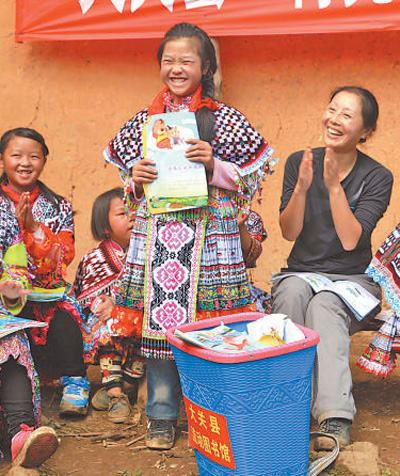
column 160, row 434
column 75, row 399
column 339, row 427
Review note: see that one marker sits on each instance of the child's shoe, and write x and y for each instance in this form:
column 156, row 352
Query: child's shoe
column 30, row 448
column 75, row 399
column 101, row 400
column 119, row 409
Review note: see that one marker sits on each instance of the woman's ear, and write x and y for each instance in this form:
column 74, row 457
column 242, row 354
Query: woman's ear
column 365, row 135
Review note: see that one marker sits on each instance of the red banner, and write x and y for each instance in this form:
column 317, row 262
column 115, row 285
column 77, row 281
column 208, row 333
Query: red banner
column 122, row 19
column 208, row 433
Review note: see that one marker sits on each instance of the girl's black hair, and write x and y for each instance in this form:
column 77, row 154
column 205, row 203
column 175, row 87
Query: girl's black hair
column 204, row 116
column 100, row 223
column 370, row 107
column 28, row 133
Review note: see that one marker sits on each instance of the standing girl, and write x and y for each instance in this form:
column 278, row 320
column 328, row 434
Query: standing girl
column 46, row 221
column 96, row 278
column 19, row 386
column 187, row 265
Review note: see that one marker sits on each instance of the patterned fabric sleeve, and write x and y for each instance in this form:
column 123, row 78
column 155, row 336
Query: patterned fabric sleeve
column 258, row 234
column 80, row 273
column 14, row 263
column 57, row 248
column 127, row 146
column 237, row 142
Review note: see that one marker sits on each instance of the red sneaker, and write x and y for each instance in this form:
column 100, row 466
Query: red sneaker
column 30, row 447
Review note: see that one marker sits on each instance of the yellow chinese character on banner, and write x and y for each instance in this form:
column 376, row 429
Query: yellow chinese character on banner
column 224, row 452
column 202, row 419
column 214, row 447
column 214, row 425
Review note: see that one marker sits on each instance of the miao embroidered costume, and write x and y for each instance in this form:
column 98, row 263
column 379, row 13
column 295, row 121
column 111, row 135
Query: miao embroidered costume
column 14, row 267
column 188, row 265
column 48, row 257
column 384, row 268
column 98, row 274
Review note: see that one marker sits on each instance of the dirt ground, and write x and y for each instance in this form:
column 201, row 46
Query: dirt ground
column 93, row 446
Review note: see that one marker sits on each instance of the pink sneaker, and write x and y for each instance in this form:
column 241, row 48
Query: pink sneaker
column 30, row 447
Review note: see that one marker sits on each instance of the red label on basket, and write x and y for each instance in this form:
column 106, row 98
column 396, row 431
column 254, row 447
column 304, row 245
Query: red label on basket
column 208, row 433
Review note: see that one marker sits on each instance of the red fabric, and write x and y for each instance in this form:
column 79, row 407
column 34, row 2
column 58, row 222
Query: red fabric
column 114, row 19
column 158, row 104
column 56, row 251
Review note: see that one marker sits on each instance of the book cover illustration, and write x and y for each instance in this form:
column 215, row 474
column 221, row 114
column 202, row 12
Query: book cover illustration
column 181, row 184
column 220, row 339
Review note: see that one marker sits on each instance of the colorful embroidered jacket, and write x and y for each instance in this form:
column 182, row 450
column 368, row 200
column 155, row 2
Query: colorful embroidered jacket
column 54, row 249
column 98, row 272
column 188, row 265
column 14, row 266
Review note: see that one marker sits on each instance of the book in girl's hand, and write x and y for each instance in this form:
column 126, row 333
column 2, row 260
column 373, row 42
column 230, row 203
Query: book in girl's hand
column 10, row 324
column 181, row 184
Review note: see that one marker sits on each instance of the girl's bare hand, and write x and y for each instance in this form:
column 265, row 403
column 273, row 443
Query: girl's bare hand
column 201, row 151
column 103, row 310
column 13, row 289
column 143, row 172
column 23, row 212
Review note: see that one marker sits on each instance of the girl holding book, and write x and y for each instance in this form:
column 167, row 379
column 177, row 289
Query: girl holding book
column 185, row 265
column 31, row 445
column 332, row 199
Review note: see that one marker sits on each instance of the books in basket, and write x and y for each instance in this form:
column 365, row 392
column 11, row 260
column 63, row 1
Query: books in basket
column 180, row 184
column 220, row 339
column 357, row 299
column 10, row 324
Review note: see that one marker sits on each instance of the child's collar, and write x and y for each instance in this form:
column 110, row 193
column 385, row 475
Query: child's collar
column 15, row 196
column 195, row 102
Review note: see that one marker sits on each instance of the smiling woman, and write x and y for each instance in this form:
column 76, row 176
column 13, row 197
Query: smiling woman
column 332, row 199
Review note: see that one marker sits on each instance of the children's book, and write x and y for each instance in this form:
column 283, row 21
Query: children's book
column 357, row 299
column 180, row 184
column 10, row 324
column 220, row 339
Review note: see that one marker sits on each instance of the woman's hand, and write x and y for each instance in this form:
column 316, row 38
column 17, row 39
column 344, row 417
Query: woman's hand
column 103, row 310
column 306, row 171
column 201, row 151
column 143, row 172
column 13, row 290
column 331, row 171
column 23, row 212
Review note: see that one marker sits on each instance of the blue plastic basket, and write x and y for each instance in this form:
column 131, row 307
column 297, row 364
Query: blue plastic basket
column 264, row 396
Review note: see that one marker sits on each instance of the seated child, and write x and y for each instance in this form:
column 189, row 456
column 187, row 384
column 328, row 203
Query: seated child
column 47, row 225
column 379, row 358
column 19, row 389
column 97, row 275
column 252, row 234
